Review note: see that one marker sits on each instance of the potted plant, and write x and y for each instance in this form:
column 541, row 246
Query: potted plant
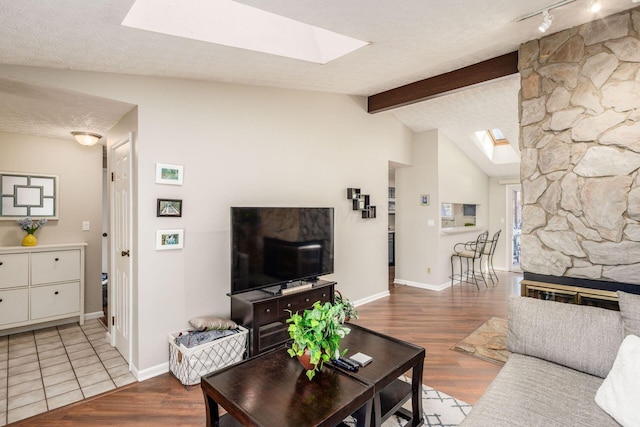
column 316, row 335
column 348, row 308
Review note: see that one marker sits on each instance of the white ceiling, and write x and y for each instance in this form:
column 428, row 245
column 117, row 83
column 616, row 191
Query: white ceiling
column 410, row 40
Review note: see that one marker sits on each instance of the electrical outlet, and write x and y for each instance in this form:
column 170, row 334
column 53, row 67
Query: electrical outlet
column 86, row 225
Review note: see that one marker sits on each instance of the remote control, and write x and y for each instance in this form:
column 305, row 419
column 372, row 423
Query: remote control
column 341, row 364
column 350, row 363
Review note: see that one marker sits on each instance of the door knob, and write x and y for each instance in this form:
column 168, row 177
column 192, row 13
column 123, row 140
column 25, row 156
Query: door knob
column 125, row 253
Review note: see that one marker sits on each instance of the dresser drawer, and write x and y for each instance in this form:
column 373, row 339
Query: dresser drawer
column 14, row 306
column 55, row 266
column 297, row 302
column 322, row 295
column 14, row 270
column 266, row 312
column 55, row 300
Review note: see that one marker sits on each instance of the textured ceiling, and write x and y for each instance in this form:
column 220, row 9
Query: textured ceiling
column 410, row 40
column 27, row 108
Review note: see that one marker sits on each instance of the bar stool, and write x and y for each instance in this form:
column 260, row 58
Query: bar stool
column 487, row 254
column 469, row 251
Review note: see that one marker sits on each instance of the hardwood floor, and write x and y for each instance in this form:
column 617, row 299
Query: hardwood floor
column 434, row 320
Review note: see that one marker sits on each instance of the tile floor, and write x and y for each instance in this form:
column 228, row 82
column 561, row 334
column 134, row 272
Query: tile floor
column 48, row 368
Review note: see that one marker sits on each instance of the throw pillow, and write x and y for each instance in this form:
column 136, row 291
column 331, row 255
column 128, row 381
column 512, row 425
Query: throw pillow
column 630, row 312
column 208, row 323
column 619, row 393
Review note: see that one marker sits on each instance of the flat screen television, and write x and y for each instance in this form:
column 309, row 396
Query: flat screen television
column 272, row 247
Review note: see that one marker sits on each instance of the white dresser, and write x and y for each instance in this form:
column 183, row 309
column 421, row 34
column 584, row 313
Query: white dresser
column 41, row 283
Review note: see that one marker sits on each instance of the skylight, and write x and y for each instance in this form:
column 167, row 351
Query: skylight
column 237, row 25
column 496, row 146
column 497, row 137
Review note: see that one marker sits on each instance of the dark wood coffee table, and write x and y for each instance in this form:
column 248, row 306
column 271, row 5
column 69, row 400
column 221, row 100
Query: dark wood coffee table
column 272, row 389
column 391, row 359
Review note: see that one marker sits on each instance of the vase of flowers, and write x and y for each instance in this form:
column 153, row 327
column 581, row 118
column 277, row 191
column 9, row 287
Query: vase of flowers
column 30, row 226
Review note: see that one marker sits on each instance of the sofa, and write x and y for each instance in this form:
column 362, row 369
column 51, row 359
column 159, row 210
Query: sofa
column 563, row 355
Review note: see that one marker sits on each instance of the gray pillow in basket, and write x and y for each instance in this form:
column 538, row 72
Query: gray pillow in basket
column 209, row 323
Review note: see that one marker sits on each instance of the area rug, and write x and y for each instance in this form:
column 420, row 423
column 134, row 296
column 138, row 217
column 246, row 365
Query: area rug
column 488, row 342
column 439, row 410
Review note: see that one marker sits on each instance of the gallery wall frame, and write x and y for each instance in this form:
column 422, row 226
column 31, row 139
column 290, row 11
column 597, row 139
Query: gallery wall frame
column 24, row 194
column 169, row 207
column 169, row 174
column 169, row 239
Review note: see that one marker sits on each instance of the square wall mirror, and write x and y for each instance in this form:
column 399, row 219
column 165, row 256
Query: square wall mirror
column 23, row 195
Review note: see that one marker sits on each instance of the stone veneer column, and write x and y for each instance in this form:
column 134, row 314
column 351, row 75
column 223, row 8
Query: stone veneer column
column 580, row 144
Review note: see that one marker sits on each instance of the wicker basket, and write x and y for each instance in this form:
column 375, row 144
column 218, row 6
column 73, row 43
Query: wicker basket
column 189, row 364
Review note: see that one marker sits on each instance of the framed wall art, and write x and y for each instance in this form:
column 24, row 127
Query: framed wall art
column 169, row 174
column 169, row 239
column 28, row 194
column 169, row 207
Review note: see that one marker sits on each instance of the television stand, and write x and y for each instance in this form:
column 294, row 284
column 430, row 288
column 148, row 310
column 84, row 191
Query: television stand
column 265, row 315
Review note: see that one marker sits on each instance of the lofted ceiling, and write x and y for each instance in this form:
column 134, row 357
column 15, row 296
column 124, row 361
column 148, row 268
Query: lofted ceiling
column 409, row 40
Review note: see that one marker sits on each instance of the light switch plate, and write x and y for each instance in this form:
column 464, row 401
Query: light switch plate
column 86, row 226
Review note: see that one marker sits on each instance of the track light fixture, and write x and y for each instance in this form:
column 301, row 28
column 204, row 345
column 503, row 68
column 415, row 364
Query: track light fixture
column 546, row 21
column 594, row 6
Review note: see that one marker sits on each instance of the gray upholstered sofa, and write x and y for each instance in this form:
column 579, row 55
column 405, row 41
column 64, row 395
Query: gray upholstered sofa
column 561, row 355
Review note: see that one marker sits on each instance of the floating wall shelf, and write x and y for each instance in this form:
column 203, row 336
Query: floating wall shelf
column 361, row 202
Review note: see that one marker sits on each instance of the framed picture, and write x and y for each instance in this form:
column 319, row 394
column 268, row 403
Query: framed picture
column 169, row 239
column 169, row 207
column 169, row 174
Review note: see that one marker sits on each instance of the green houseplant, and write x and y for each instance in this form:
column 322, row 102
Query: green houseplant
column 316, row 334
column 348, row 308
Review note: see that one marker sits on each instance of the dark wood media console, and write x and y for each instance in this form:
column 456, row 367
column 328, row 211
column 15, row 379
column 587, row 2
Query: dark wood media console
column 265, row 315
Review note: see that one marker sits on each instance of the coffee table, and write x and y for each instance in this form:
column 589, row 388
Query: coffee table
column 271, row 389
column 391, row 359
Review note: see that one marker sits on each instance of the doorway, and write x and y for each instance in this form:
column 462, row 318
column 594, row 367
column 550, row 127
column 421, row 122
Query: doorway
column 514, row 227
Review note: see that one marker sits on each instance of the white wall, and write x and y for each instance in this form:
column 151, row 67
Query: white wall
column 80, row 171
column 444, row 172
column 416, row 241
column 242, row 145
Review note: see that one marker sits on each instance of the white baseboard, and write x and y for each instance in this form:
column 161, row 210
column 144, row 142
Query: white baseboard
column 422, row 285
column 151, row 372
column 94, row 315
column 371, row 298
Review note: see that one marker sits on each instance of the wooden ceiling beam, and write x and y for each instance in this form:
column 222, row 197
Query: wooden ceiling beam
column 421, row 90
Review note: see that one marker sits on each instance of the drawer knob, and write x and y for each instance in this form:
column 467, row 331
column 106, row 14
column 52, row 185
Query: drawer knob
column 56, row 293
column 57, row 259
column 306, row 300
column 0, row 262
column 324, row 295
column 268, row 310
column 0, row 299
column 289, row 305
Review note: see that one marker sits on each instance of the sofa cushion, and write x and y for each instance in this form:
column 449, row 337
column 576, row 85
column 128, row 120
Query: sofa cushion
column 630, row 312
column 619, row 393
column 579, row 337
column 531, row 392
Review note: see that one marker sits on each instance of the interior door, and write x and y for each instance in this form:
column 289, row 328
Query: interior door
column 121, row 256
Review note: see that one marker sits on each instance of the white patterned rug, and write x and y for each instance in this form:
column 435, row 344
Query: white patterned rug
column 439, row 409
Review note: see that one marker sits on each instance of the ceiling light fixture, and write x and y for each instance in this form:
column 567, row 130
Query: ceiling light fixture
column 546, row 21
column 594, row 6
column 86, row 138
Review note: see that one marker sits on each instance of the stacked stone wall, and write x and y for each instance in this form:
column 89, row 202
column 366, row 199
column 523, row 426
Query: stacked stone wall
column 580, row 144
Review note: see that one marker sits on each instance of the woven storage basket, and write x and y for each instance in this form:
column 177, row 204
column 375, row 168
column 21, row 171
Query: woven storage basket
column 189, row 364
